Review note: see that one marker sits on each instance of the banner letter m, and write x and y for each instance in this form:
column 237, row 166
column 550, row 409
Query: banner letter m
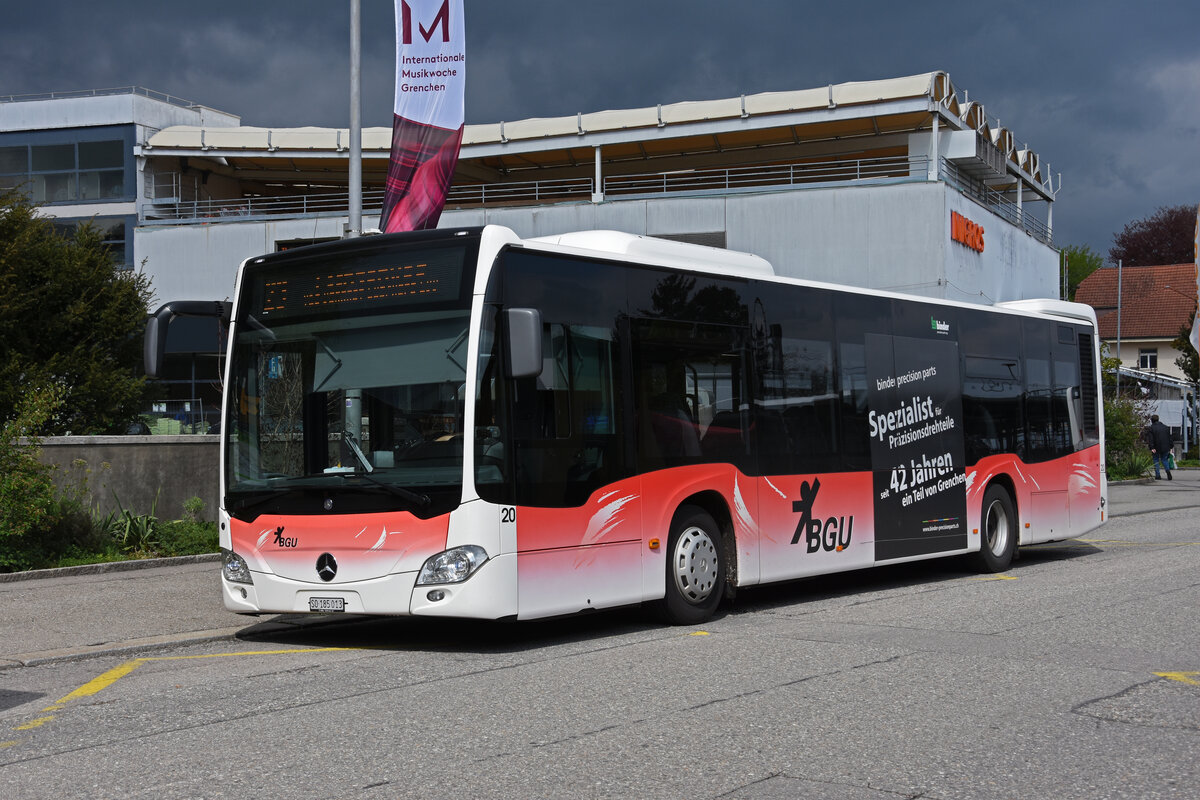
column 442, row 18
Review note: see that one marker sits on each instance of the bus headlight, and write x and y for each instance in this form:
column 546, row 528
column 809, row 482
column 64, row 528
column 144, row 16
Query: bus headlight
column 234, row 567
column 452, row 566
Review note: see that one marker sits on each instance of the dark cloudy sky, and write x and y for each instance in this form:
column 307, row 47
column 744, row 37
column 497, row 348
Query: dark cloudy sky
column 1107, row 92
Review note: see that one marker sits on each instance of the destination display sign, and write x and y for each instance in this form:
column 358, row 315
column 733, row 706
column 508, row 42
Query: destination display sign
column 363, row 284
column 917, row 452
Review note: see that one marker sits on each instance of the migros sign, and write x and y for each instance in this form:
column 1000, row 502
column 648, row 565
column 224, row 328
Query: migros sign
column 963, row 231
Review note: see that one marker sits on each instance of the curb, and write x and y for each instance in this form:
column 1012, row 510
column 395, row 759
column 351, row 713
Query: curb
column 246, row 633
column 108, row 566
column 116, row 648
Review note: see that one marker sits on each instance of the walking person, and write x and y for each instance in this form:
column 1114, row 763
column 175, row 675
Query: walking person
column 1158, row 436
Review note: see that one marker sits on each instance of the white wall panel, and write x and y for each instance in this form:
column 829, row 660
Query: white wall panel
column 882, row 237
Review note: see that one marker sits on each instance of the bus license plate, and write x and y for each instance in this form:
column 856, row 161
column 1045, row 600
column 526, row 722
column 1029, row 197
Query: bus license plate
column 326, row 604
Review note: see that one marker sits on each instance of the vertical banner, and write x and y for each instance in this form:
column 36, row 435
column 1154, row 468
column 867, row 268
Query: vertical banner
column 1196, row 258
column 429, row 111
column 915, row 396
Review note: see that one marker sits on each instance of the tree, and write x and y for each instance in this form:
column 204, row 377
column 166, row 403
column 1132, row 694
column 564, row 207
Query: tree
column 1167, row 237
column 1081, row 261
column 69, row 321
column 1187, row 361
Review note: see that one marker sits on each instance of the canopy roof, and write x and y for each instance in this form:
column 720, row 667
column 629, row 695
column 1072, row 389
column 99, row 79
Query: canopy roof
column 867, row 118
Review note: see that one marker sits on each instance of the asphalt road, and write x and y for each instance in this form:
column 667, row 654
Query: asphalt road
column 1074, row 675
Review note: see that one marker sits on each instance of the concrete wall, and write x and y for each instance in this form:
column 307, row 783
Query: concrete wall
column 1012, row 266
column 886, row 237
column 134, row 469
column 112, row 109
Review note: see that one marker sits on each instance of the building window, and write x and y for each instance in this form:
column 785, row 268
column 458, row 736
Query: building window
column 69, row 166
column 115, row 232
column 1148, row 358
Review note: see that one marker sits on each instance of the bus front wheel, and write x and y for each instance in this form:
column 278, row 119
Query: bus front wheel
column 998, row 531
column 695, row 574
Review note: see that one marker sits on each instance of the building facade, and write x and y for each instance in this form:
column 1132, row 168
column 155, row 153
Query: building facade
column 900, row 184
column 74, row 154
column 1154, row 304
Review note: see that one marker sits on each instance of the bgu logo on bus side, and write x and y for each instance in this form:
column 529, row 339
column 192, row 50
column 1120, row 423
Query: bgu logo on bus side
column 832, row 534
column 442, row 19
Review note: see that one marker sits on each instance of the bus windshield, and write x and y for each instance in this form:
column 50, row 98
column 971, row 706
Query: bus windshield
column 355, row 408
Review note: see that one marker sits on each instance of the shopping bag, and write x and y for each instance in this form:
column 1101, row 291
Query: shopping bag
column 1170, row 461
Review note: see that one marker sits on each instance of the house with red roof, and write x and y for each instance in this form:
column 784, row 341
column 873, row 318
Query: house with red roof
column 1155, row 304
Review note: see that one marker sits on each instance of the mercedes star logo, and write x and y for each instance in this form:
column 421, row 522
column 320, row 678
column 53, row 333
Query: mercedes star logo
column 326, row 566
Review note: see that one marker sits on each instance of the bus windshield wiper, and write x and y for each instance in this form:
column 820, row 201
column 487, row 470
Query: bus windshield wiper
column 419, row 499
column 257, row 498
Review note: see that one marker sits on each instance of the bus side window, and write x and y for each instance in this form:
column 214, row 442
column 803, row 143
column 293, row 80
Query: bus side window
column 567, row 442
column 796, row 395
column 690, row 393
column 1039, row 389
column 992, row 385
column 1089, row 401
column 1068, row 407
column 856, row 316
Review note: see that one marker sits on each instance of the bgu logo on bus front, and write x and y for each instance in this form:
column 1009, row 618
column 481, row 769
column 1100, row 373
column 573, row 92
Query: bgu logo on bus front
column 832, row 534
column 442, row 18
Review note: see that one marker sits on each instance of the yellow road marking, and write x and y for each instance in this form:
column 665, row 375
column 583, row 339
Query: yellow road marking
column 33, row 723
column 1125, row 543
column 252, row 653
column 102, row 682
column 699, row 633
column 995, row 578
column 1182, row 677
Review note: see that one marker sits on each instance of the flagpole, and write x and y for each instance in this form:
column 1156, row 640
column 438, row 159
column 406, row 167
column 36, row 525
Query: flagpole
column 1119, row 261
column 354, row 226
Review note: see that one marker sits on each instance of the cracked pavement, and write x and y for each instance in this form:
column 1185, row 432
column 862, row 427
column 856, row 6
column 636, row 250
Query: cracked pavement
column 1074, row 675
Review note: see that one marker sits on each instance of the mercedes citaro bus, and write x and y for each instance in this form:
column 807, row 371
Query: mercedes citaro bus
column 466, row 423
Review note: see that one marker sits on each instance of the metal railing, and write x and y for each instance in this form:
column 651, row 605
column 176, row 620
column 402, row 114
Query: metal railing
column 257, row 207
column 167, row 188
column 153, row 95
column 716, row 181
column 530, row 191
column 739, row 178
column 995, row 201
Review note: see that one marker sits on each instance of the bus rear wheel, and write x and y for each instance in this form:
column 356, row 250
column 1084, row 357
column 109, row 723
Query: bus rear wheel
column 998, row 531
column 695, row 572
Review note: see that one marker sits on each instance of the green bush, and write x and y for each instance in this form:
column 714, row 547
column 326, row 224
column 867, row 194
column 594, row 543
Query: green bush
column 1126, row 456
column 33, row 521
column 193, row 507
column 185, row 537
column 136, row 533
column 1131, row 465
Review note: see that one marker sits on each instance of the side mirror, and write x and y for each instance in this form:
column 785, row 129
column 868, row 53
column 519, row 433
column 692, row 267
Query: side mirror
column 524, row 342
column 155, row 345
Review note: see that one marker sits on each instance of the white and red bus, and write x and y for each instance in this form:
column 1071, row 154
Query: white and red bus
column 465, row 423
